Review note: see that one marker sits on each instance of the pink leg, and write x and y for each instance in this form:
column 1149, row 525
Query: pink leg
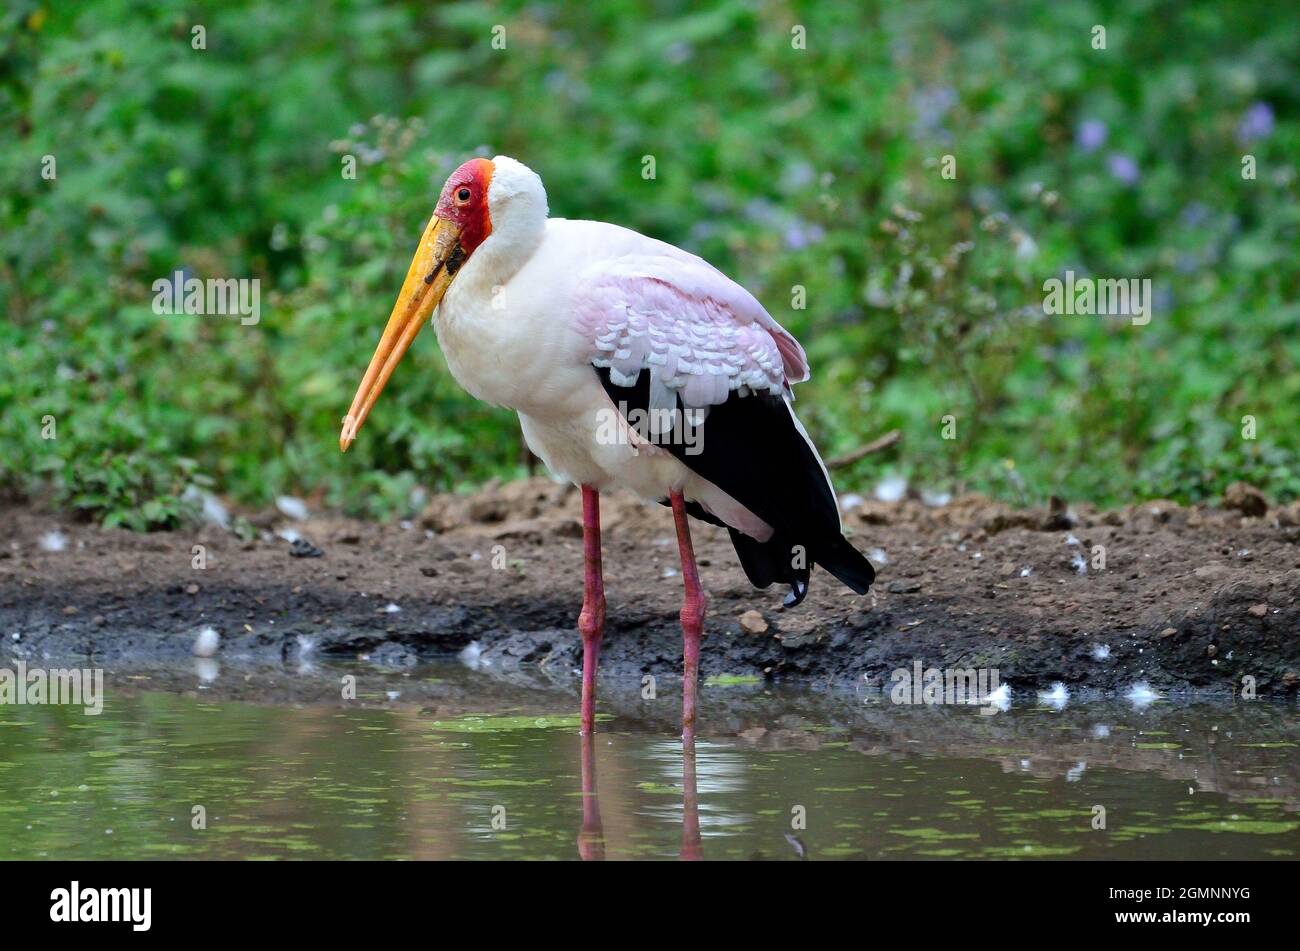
column 692, row 616
column 591, row 622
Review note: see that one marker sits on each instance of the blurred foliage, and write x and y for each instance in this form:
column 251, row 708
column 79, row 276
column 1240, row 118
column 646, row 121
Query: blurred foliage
column 817, row 167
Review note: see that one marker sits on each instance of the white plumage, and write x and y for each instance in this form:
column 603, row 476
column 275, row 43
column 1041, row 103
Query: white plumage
column 542, row 300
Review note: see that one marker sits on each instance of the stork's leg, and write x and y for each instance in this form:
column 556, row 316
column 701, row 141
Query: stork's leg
column 692, row 616
column 591, row 622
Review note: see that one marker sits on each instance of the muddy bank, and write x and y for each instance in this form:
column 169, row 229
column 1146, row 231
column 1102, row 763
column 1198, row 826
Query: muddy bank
column 1181, row 597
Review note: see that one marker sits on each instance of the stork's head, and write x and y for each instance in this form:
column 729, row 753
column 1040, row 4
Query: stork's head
column 495, row 198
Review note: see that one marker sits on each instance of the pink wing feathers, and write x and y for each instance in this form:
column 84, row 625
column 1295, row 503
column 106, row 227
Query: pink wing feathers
column 701, row 334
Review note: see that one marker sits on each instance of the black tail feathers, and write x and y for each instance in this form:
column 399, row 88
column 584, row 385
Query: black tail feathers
column 781, row 559
column 848, row 564
column 756, row 451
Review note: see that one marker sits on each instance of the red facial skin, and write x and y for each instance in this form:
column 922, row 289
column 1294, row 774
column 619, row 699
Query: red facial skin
column 471, row 212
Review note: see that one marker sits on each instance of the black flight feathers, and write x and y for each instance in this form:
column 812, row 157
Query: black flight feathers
column 751, row 448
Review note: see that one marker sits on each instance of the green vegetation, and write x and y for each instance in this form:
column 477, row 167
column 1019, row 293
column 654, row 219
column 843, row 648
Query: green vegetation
column 818, row 167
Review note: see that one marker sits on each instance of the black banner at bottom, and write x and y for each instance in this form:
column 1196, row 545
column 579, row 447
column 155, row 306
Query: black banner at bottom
column 335, row 900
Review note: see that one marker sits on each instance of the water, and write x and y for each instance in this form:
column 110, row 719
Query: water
column 461, row 765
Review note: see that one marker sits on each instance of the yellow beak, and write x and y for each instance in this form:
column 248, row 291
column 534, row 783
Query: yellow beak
column 436, row 261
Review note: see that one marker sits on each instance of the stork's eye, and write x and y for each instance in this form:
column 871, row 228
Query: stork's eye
column 462, row 195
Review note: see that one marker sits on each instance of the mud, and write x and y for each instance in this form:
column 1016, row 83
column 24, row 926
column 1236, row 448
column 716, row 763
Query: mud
column 1185, row 598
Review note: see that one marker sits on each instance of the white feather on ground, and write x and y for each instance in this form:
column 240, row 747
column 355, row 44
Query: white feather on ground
column 471, row 655
column 292, row 507
column 206, row 642
column 53, row 541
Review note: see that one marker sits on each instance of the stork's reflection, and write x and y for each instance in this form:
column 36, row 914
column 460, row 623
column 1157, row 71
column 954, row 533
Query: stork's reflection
column 591, row 837
column 690, row 804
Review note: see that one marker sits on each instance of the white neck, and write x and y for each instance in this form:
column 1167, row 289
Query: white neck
column 482, row 328
column 517, row 208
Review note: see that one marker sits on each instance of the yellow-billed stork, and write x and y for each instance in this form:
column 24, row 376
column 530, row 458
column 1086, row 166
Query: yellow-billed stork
column 632, row 364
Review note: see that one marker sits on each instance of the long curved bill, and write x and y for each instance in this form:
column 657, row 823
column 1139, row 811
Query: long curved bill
column 435, row 263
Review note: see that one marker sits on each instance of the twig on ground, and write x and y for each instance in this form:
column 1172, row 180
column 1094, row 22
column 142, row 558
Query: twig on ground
column 876, row 445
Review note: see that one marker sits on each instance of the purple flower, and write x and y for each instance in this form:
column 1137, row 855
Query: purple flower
column 703, row 231
column 1123, row 168
column 799, row 235
column 931, row 106
column 678, row 53
column 1091, row 135
column 1194, row 215
column 763, row 212
column 796, row 176
column 1257, row 123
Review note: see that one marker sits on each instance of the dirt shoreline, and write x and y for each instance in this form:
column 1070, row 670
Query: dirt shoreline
column 1189, row 598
